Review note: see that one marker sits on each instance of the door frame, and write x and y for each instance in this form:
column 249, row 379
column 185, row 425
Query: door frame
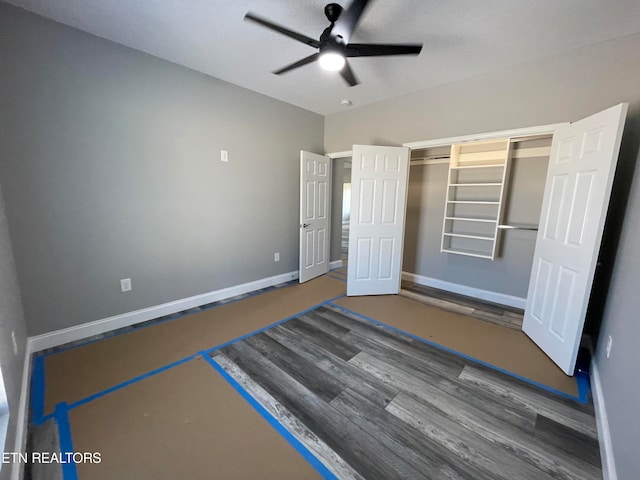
column 513, row 133
column 336, row 156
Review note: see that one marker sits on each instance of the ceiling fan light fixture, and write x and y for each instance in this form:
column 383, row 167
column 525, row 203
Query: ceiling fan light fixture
column 332, row 61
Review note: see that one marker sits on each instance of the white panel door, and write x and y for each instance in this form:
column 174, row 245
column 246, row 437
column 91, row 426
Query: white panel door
column 379, row 178
column 315, row 205
column 576, row 196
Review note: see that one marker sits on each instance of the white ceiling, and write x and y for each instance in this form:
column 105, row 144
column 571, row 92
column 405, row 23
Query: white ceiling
column 462, row 38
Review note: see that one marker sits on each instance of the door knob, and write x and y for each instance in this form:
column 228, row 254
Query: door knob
column 305, row 225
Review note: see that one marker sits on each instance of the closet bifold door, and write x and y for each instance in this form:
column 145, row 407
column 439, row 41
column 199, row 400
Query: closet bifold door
column 475, row 197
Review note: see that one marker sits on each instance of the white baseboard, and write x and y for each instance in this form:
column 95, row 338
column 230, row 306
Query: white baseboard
column 335, row 264
column 495, row 297
column 604, row 435
column 89, row 329
column 20, row 444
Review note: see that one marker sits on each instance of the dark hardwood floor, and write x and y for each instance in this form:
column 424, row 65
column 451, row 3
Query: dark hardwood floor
column 372, row 403
column 472, row 307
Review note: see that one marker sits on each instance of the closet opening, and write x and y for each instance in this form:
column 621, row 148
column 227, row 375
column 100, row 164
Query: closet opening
column 346, row 211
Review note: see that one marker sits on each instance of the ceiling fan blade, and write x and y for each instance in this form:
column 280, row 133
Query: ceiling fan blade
column 299, row 63
column 284, row 31
column 377, row 50
column 348, row 75
column 348, row 21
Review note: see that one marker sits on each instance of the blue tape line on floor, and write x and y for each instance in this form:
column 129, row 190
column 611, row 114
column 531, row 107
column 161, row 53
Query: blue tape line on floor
column 264, row 413
column 335, row 277
column 584, row 386
column 130, row 382
column 170, row 317
column 37, row 390
column 69, row 471
column 171, row 365
column 578, row 398
column 272, row 325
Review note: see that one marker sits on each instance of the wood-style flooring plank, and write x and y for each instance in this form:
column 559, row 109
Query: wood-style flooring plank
column 320, row 449
column 533, row 399
column 433, row 366
column 394, row 340
column 427, row 456
column 567, row 440
column 327, row 341
column 463, row 444
column 316, row 319
column 299, row 368
column 364, row 453
column 539, row 454
column 376, row 391
column 400, row 377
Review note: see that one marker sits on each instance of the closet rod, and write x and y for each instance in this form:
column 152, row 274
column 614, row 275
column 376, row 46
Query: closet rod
column 532, row 228
column 434, row 157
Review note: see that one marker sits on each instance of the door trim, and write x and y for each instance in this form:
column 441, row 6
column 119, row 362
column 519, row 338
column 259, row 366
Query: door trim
column 439, row 142
column 516, row 132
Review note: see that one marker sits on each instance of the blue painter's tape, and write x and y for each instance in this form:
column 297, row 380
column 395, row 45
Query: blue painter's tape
column 176, row 363
column 582, row 395
column 335, row 277
column 255, row 332
column 37, row 390
column 169, row 318
column 584, row 386
column 69, row 471
column 293, row 441
column 95, row 396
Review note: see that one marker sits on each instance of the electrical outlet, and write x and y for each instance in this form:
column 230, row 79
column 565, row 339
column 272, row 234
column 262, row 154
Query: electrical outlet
column 276, row 257
column 15, row 343
column 608, row 347
column 224, row 156
column 125, row 285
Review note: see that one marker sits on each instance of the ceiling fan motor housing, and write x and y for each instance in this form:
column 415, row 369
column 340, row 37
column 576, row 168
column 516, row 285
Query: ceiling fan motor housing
column 333, row 11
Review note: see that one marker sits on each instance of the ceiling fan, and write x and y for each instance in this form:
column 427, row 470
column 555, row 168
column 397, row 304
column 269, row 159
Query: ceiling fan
column 333, row 47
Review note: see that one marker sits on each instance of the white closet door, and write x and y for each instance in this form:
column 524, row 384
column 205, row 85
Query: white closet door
column 315, row 207
column 379, row 178
column 577, row 190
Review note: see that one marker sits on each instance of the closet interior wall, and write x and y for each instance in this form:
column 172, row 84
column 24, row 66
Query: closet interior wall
column 509, row 272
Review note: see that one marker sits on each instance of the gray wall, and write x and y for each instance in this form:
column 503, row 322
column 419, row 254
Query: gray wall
column 618, row 311
column 111, row 169
column 560, row 89
column 563, row 88
column 11, row 320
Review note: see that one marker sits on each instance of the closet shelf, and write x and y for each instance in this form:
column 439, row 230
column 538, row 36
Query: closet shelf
column 463, row 167
column 469, row 253
column 475, row 237
column 475, row 184
column 480, row 234
column 473, row 202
